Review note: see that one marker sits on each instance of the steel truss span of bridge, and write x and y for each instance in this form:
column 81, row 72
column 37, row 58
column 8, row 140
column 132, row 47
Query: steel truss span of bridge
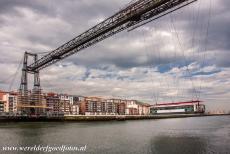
column 131, row 17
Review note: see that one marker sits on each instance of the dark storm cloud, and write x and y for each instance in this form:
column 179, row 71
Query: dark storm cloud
column 209, row 29
column 122, row 61
column 79, row 14
column 205, row 27
column 9, row 6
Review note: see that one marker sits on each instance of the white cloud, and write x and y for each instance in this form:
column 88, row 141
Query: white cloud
column 125, row 65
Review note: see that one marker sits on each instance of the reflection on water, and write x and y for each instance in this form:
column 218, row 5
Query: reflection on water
column 176, row 145
column 167, row 136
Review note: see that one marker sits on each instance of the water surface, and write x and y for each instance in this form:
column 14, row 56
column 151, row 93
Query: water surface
column 164, row 136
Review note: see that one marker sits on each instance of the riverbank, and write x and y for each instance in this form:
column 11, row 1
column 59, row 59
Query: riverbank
column 78, row 118
column 134, row 117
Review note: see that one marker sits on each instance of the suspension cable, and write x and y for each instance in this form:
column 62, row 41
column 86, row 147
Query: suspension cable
column 15, row 74
column 206, row 40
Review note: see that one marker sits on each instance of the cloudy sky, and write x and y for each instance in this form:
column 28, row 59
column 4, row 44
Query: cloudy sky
column 182, row 56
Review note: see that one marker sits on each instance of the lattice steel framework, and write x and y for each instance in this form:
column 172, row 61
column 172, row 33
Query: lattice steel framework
column 132, row 15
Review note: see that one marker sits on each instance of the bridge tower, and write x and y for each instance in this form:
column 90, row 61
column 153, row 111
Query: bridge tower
column 30, row 102
column 135, row 15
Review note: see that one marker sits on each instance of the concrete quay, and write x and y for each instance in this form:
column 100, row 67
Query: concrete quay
column 79, row 118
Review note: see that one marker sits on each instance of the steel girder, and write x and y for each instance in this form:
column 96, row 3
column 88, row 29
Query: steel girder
column 132, row 15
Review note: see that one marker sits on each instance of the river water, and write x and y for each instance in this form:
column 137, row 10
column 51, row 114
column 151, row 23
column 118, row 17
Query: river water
column 164, row 136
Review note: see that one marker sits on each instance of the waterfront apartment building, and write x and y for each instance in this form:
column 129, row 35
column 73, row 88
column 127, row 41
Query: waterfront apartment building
column 121, row 107
column 66, row 97
column 2, row 106
column 66, row 101
column 65, row 106
column 99, row 106
column 74, row 109
column 10, row 101
column 78, row 99
column 134, row 107
column 131, row 107
column 53, row 103
column 70, row 104
column 92, row 106
column 112, row 106
column 60, row 104
column 143, row 108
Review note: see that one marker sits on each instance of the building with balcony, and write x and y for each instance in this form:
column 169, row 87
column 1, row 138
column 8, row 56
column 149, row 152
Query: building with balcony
column 53, row 103
column 99, row 106
column 10, row 99
column 2, row 106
